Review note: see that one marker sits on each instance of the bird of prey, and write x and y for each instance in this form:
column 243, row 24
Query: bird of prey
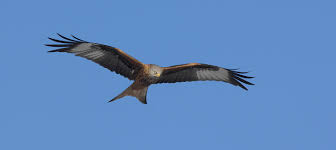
column 144, row 75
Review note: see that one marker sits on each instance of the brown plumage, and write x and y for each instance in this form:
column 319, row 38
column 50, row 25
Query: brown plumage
column 144, row 75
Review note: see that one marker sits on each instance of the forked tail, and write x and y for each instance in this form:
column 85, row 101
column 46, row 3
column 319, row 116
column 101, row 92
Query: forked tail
column 135, row 90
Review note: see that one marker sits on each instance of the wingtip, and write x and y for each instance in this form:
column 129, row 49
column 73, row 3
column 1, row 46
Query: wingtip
column 51, row 51
column 47, row 45
column 242, row 86
column 77, row 38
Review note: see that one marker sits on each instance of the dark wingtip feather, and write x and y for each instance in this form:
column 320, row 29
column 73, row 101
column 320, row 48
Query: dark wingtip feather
column 235, row 82
column 67, row 38
column 68, row 43
column 242, row 86
column 58, row 45
column 242, row 80
column 52, row 51
column 237, row 78
column 237, row 74
column 60, row 41
column 77, row 38
column 60, row 50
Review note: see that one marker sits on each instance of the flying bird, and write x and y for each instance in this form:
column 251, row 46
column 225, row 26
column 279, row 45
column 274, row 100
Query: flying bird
column 144, row 75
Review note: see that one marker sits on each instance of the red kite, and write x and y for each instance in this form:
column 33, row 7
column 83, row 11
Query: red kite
column 144, row 75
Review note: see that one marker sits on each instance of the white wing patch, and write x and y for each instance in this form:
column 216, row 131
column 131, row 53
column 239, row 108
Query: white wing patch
column 94, row 54
column 81, row 47
column 219, row 75
column 86, row 50
column 103, row 55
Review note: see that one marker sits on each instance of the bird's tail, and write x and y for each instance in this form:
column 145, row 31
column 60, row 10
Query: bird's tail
column 135, row 90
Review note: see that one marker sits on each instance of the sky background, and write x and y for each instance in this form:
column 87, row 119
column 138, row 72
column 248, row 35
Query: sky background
column 58, row 101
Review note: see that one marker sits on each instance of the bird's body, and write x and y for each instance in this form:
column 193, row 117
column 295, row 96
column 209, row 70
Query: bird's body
column 144, row 75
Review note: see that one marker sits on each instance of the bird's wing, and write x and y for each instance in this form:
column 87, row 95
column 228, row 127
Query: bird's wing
column 109, row 57
column 202, row 72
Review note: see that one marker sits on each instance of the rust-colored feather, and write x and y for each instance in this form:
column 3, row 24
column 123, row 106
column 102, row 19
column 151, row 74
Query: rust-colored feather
column 144, row 75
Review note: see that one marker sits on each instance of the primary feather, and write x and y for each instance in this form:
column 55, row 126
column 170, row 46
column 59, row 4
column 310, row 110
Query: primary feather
column 109, row 57
column 202, row 72
column 144, row 75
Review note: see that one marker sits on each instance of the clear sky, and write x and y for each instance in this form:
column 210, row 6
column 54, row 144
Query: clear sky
column 54, row 101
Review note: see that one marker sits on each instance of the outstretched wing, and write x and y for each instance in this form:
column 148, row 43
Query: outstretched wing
column 109, row 57
column 202, row 72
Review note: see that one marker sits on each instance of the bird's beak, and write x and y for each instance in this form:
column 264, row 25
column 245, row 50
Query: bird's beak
column 157, row 75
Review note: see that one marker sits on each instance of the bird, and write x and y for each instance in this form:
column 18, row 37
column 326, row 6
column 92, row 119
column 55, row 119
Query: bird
column 145, row 75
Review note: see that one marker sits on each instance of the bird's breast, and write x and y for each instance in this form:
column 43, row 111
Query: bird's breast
column 146, row 79
column 144, row 76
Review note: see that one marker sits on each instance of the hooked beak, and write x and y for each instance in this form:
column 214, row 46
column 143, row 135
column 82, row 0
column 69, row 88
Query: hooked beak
column 157, row 75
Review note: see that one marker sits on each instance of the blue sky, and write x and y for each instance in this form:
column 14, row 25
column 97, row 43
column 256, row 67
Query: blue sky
column 59, row 101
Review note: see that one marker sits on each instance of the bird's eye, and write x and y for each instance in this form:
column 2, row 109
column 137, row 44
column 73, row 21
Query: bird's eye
column 155, row 72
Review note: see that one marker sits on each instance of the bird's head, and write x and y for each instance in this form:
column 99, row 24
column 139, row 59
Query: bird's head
column 155, row 70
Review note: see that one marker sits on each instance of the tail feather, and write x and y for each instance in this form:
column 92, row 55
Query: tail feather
column 140, row 92
column 141, row 95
